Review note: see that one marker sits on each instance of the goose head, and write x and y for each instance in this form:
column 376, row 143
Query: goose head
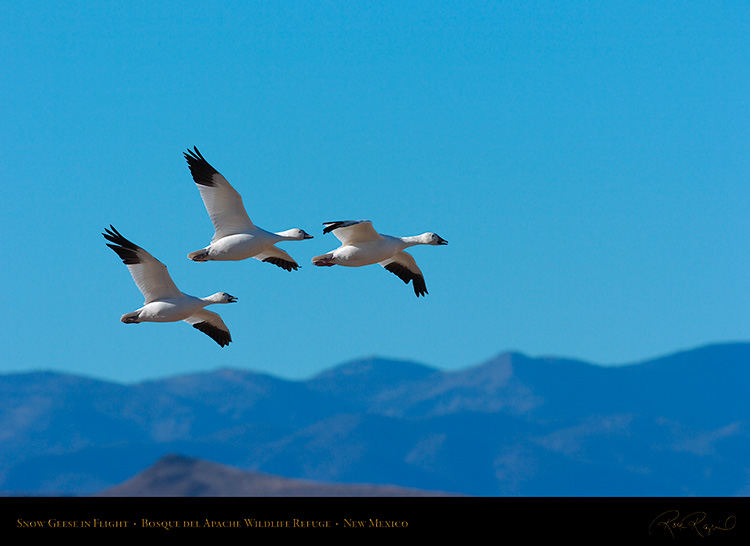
column 433, row 239
column 223, row 297
column 295, row 234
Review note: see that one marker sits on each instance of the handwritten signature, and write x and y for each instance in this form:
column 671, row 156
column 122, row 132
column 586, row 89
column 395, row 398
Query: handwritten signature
column 671, row 522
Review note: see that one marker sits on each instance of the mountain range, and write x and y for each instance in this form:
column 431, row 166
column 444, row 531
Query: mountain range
column 676, row 425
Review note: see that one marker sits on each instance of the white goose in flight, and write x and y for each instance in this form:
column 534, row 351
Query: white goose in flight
column 362, row 245
column 235, row 235
column 164, row 301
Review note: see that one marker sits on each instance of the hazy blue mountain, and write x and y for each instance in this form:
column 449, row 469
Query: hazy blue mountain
column 514, row 425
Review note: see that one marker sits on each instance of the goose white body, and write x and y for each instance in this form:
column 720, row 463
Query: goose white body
column 367, row 252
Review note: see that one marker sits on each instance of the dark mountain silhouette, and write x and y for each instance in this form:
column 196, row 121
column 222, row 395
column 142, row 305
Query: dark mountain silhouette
column 178, row 476
column 672, row 426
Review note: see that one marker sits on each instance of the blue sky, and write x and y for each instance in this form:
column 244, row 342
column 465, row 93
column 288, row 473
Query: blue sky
column 588, row 163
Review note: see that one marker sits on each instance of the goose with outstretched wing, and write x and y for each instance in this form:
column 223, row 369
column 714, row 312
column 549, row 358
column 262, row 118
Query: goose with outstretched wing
column 362, row 245
column 235, row 235
column 164, row 302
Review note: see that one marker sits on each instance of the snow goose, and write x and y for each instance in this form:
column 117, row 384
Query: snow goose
column 362, row 245
column 164, row 301
column 235, row 235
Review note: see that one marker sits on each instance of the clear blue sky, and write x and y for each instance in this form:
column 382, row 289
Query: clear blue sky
column 589, row 164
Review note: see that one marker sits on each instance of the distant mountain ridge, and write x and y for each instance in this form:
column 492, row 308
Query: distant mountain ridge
column 178, row 476
column 514, row 425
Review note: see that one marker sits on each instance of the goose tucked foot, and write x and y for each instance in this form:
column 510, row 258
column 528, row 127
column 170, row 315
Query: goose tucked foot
column 130, row 318
column 323, row 261
column 199, row 255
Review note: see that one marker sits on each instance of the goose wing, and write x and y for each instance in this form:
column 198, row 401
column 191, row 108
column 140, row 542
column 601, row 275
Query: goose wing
column 150, row 275
column 210, row 324
column 350, row 232
column 404, row 266
column 223, row 203
column 278, row 257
